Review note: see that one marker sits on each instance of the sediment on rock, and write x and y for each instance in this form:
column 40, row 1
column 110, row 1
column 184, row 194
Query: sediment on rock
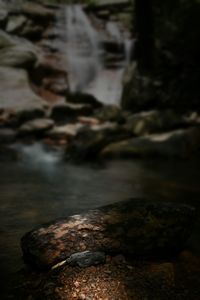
column 137, row 227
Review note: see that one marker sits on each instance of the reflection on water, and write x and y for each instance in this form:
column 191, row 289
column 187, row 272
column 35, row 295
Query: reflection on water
column 40, row 187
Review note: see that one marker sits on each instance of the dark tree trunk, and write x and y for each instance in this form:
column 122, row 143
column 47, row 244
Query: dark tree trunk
column 144, row 30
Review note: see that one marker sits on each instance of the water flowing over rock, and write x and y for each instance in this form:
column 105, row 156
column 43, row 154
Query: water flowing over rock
column 83, row 48
column 95, row 57
column 139, row 227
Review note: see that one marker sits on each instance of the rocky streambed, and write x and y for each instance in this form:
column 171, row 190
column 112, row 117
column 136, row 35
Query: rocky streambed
column 38, row 104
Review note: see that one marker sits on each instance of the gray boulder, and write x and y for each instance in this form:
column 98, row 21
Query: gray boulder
column 3, row 16
column 38, row 11
column 16, row 52
column 178, row 143
column 15, row 23
column 16, row 97
column 153, row 122
column 36, row 126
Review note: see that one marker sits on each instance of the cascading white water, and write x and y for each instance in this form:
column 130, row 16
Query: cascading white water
column 83, row 52
column 83, row 49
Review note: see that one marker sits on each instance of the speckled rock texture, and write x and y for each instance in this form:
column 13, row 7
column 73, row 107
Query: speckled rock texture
column 137, row 227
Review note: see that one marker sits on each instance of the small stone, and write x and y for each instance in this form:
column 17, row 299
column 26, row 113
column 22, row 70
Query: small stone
column 86, row 259
column 76, row 283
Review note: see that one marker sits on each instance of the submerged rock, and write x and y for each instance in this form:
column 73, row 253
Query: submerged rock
column 138, row 227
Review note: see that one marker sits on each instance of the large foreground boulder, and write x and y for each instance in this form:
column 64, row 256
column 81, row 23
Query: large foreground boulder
column 138, row 227
column 17, row 100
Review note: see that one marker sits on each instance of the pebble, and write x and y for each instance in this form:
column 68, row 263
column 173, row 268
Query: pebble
column 86, row 259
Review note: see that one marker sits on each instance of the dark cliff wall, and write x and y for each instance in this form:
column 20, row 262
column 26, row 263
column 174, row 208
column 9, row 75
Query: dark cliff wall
column 171, row 78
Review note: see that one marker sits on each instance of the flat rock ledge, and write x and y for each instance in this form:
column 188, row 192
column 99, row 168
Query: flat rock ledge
column 138, row 228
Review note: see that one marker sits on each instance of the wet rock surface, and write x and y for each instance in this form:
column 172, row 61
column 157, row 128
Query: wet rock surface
column 140, row 228
column 180, row 143
column 86, row 259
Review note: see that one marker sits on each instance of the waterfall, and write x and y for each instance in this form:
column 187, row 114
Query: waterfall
column 83, row 48
column 84, row 56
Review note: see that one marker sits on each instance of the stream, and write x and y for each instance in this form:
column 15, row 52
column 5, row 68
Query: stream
column 40, row 187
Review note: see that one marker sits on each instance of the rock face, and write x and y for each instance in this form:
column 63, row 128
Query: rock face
column 16, row 52
column 139, row 92
column 179, row 143
column 16, row 96
column 141, row 228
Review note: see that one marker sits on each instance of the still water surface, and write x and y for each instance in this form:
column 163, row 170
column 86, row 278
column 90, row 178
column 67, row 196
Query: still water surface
column 40, row 187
